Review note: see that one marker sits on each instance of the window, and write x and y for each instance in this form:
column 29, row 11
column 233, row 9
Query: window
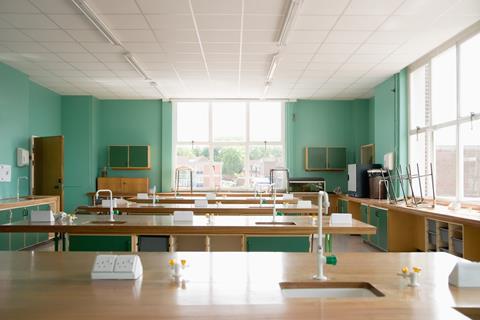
column 229, row 145
column 445, row 122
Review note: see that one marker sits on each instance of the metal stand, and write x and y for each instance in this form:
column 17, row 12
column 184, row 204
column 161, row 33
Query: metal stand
column 178, row 172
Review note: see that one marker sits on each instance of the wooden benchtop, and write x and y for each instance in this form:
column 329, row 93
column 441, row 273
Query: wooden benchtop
column 27, row 201
column 222, row 209
column 223, row 199
column 157, row 224
column 47, row 285
column 440, row 212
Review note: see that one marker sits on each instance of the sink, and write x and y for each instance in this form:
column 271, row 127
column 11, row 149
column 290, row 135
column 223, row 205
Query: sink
column 280, row 223
column 261, row 206
column 471, row 312
column 106, row 222
column 336, row 290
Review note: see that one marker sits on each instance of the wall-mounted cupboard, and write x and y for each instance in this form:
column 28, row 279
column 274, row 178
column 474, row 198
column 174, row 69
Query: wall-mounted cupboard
column 325, row 158
column 129, row 157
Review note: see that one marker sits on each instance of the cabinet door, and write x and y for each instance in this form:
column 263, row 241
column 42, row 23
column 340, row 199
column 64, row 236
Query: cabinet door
column 114, row 184
column 100, row 243
column 364, row 218
column 278, row 244
column 342, row 206
column 4, row 237
column 17, row 239
column 139, row 157
column 134, row 185
column 336, row 158
column 118, row 156
column 374, row 222
column 315, row 159
column 382, row 229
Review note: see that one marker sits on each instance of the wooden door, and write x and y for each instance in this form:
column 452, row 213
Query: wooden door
column 48, row 167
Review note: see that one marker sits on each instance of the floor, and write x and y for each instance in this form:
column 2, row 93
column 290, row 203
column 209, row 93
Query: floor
column 341, row 243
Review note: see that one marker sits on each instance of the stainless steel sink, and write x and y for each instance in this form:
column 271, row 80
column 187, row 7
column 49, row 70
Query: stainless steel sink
column 106, row 222
column 327, row 289
column 280, row 223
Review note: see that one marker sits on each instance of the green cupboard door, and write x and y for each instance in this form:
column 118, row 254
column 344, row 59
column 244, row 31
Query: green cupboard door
column 100, row 243
column 316, row 158
column 30, row 237
column 118, row 156
column 364, row 218
column 374, row 222
column 337, row 158
column 17, row 239
column 41, row 237
column 139, row 157
column 4, row 237
column 382, row 229
column 278, row 244
column 342, row 206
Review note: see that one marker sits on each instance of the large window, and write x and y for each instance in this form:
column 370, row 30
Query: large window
column 445, row 121
column 229, row 145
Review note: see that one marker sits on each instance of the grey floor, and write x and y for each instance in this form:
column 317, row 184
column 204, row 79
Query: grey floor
column 341, row 243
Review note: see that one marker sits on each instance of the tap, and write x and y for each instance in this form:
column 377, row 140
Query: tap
column 154, row 194
column 274, row 195
column 111, row 200
column 18, row 185
column 323, row 202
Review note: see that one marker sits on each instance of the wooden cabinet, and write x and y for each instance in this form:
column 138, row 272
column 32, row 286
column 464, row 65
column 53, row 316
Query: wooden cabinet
column 120, row 185
column 129, row 157
column 325, row 158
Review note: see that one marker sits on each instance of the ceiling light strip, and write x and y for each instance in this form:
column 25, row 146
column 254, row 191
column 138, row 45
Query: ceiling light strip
column 273, row 67
column 240, row 47
column 133, row 62
column 290, row 18
column 95, row 20
column 199, row 39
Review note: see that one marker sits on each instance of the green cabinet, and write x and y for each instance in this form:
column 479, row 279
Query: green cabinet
column 4, row 237
column 278, row 244
column 129, row 157
column 325, row 158
column 342, row 206
column 379, row 219
column 100, row 243
column 364, row 218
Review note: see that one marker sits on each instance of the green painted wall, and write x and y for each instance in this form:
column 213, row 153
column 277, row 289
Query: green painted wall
column 167, row 145
column 325, row 123
column 26, row 109
column 133, row 122
column 371, row 120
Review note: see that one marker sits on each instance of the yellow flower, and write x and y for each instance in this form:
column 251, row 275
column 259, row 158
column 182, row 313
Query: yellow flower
column 404, row 270
column 184, row 262
column 417, row 269
column 171, row 262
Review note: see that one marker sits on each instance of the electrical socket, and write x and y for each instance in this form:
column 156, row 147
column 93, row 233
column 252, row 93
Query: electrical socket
column 104, row 263
column 124, row 263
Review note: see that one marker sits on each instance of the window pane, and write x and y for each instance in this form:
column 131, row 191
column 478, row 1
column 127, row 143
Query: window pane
column 445, row 158
column 229, row 121
column 266, row 121
column 469, row 72
column 192, row 121
column 262, row 160
column 418, row 156
column 417, row 98
column 197, row 159
column 231, row 162
column 470, row 135
column 444, row 90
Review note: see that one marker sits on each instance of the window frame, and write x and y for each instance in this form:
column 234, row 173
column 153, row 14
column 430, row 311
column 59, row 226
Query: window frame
column 430, row 128
column 247, row 144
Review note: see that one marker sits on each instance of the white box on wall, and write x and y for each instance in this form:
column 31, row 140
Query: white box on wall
column 5, row 173
column 23, row 157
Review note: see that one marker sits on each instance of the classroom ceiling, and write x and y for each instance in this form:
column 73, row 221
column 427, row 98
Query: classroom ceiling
column 336, row 49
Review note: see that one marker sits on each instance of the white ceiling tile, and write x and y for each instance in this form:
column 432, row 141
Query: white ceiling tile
column 320, row 66
column 53, row 66
column 307, row 36
column 25, row 47
column 101, row 47
column 4, row 24
column 329, row 48
column 164, row 6
column 261, row 22
column 407, row 23
column 466, row 8
column 213, row 58
column 366, row 58
column 370, row 48
column 219, row 35
column 218, row 22
column 124, row 21
column 176, row 35
column 72, row 21
column 60, row 47
column 217, row 6
column 296, row 57
column 372, row 7
column 366, row 23
column 85, row 35
column 308, row 22
column 98, row 73
column 109, row 57
column 424, row 7
column 276, row 7
column 13, row 35
column 383, row 37
column 347, row 36
column 113, row 7
column 17, row 6
column 40, row 57
column 144, row 35
column 185, row 58
column 89, row 66
column 151, row 57
column 47, row 35
column 142, row 47
column 170, row 21
column 330, row 58
column 74, row 75
column 259, row 36
column 28, row 21
column 55, row 6
column 299, row 48
column 324, row 7
column 78, row 57
column 265, row 48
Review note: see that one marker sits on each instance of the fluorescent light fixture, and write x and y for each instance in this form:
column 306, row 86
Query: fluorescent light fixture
column 289, row 21
column 133, row 62
column 155, row 86
column 267, row 86
column 273, row 67
column 92, row 16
